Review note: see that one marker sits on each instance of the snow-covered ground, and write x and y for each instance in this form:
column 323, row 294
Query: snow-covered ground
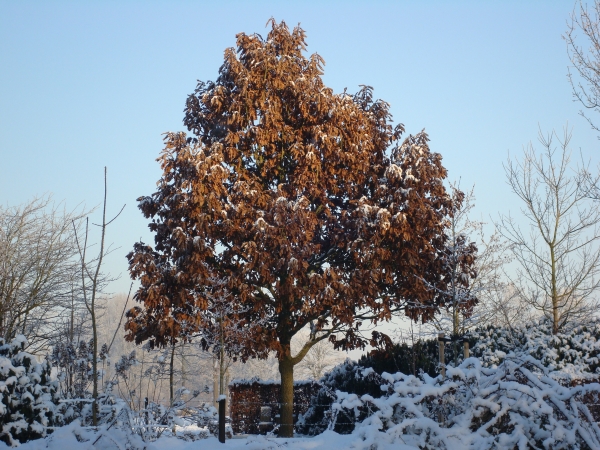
column 74, row 437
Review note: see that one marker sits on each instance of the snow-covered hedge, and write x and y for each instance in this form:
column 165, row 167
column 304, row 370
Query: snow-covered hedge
column 364, row 377
column 28, row 396
column 571, row 355
column 515, row 405
column 405, row 358
column 349, row 376
column 522, row 388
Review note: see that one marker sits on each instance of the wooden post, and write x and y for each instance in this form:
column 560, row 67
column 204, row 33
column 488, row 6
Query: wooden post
column 465, row 348
column 442, row 345
column 222, row 419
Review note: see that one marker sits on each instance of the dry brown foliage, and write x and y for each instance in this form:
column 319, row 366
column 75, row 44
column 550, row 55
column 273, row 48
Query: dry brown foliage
column 286, row 199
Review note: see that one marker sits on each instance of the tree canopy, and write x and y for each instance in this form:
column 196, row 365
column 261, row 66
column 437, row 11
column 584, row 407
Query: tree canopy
column 298, row 204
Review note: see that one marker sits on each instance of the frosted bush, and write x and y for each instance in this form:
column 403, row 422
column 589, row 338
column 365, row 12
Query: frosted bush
column 28, row 396
column 523, row 388
column 571, row 355
column 515, row 405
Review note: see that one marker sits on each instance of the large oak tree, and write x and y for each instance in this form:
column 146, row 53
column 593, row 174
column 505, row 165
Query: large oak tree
column 298, row 204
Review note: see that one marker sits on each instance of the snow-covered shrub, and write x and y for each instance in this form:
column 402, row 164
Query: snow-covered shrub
column 349, row 376
column 205, row 417
column 180, row 420
column 74, row 373
column 571, row 355
column 401, row 357
column 116, row 413
column 515, row 405
column 73, row 368
column 522, row 388
column 28, row 396
column 521, row 369
column 363, row 377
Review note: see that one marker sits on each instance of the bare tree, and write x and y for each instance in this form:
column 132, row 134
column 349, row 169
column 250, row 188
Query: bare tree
column 583, row 47
column 559, row 257
column 472, row 297
column 39, row 296
column 459, row 256
column 92, row 281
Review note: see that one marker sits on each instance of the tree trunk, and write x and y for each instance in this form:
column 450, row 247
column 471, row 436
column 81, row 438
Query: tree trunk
column 94, row 365
column 71, row 340
column 286, row 369
column 555, row 318
column 228, row 412
column 215, row 382
column 222, row 361
column 183, row 366
column 94, row 285
column 222, row 372
column 455, row 331
column 171, row 370
column 553, row 284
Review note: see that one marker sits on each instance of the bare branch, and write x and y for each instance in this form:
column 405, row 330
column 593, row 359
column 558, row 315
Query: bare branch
column 560, row 257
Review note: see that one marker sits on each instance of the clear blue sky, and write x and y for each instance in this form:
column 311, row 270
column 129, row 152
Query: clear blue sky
column 90, row 84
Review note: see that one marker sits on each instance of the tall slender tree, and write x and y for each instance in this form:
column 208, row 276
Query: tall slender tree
column 92, row 281
column 459, row 268
column 559, row 254
column 286, row 200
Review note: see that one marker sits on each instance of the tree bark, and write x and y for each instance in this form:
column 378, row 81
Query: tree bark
column 171, row 370
column 553, row 281
column 94, row 362
column 286, row 370
column 215, row 382
column 221, row 360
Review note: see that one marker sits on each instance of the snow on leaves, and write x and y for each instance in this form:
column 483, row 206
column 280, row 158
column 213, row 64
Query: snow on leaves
column 285, row 201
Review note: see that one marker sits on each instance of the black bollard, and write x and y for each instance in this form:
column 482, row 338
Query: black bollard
column 222, row 419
